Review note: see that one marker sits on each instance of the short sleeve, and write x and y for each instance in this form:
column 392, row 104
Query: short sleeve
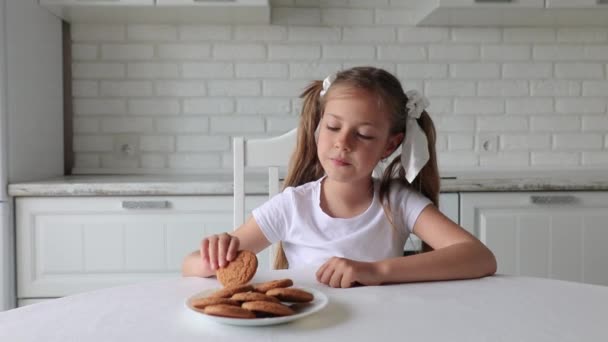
column 273, row 216
column 411, row 203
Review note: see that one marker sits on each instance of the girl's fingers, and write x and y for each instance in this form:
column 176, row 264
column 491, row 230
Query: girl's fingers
column 222, row 249
column 336, row 279
column 320, row 271
column 327, row 274
column 233, row 247
column 205, row 250
column 213, row 251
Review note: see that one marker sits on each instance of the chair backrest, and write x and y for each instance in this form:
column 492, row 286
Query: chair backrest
column 271, row 153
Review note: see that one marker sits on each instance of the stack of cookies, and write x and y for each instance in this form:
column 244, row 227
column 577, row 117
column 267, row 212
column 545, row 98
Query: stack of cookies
column 238, row 299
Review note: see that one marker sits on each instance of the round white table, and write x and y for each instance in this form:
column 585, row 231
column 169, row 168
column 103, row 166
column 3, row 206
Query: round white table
column 498, row 308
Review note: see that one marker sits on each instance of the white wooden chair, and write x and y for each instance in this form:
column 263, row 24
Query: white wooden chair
column 271, row 153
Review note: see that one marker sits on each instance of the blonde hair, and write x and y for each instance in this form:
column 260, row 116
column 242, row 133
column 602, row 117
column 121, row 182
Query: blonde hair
column 304, row 166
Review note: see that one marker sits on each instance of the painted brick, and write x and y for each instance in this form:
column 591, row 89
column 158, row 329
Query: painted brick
column 475, row 71
column 152, row 70
column 555, row 88
column 293, row 52
column 454, row 52
column 182, row 125
column 98, row 32
column 529, row 35
column 314, row 34
column 348, row 52
column 194, row 161
column 261, row 70
column 597, row 53
column 93, row 143
column 506, row 52
column 239, row 51
column 263, row 106
column 112, row 162
column 582, row 35
column 281, row 124
column 423, row 35
column 369, row 34
column 449, row 88
column 153, row 161
column 126, row 51
column 553, row 123
column 204, row 32
column 84, row 52
column 476, row 35
column 479, row 105
column 283, row 88
column 524, row 142
column 151, row 32
column 125, row 88
column 439, row 105
column 86, row 160
column 157, row 143
column 461, row 142
column 529, row 105
column 234, row 88
column 579, row 70
column 312, row 70
column 153, row 107
column 596, row 123
column 457, row 160
column 502, row 124
column 502, row 88
column 180, row 88
column 402, row 53
column 580, row 105
column 260, row 33
column 595, row 88
column 183, row 51
column 85, row 88
column 237, row 125
column 100, row 106
column 527, row 70
column 98, row 70
column 505, row 160
column 127, row 125
column 560, row 159
column 454, row 123
column 86, row 125
column 209, row 106
column 406, row 17
column 191, row 143
column 577, row 141
column 422, row 71
column 558, row 52
column 208, row 70
column 595, row 158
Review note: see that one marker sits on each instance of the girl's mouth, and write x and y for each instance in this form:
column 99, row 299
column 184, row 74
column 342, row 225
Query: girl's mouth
column 339, row 162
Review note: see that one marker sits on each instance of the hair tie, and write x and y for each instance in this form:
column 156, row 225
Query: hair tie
column 414, row 149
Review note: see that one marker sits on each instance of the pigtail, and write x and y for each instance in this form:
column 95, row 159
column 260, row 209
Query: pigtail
column 304, row 166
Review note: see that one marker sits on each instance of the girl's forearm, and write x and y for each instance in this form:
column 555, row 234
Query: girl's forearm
column 460, row 261
column 193, row 266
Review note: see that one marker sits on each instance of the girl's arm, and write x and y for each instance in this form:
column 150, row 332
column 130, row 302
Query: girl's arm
column 457, row 254
column 248, row 236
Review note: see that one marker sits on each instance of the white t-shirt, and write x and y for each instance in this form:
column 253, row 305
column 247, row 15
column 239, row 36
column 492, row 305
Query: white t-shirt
column 311, row 237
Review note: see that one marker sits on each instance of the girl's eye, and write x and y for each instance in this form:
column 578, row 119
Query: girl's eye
column 365, row 137
column 333, row 128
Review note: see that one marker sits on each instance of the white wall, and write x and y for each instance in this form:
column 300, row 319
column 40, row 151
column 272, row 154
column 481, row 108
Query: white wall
column 173, row 95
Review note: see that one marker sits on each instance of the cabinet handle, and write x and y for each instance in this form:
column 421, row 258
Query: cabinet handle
column 553, row 199
column 146, row 204
column 493, row 1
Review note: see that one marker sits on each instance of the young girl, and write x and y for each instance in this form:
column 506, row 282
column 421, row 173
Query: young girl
column 334, row 215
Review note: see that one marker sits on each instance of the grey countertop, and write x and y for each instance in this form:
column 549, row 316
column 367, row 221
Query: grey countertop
column 221, row 184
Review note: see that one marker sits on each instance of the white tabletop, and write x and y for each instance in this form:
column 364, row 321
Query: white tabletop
column 498, row 308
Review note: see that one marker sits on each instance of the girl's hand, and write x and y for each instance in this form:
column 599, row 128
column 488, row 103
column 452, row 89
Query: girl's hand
column 342, row 272
column 218, row 250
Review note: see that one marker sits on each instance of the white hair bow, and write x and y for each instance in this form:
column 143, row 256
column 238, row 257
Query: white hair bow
column 414, row 148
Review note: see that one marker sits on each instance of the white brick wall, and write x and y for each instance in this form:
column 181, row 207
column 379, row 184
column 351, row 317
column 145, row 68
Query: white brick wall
column 178, row 93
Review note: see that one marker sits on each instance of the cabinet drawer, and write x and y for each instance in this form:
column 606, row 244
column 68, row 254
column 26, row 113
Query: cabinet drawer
column 559, row 235
column 69, row 245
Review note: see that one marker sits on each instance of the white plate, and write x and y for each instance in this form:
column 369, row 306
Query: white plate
column 302, row 310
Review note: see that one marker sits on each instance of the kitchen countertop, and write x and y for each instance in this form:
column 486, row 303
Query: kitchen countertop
column 221, row 184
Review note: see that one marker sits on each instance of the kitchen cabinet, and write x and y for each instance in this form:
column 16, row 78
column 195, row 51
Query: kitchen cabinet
column 560, row 235
column 160, row 11
column 67, row 245
column 496, row 13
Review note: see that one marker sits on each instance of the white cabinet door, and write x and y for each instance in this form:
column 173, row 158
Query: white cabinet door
column 577, row 4
column 492, row 3
column 97, row 2
column 553, row 235
column 68, row 245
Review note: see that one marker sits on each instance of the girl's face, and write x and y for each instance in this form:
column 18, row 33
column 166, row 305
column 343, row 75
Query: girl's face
column 353, row 135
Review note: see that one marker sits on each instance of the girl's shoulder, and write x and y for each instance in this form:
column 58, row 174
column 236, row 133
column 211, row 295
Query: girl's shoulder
column 400, row 191
column 302, row 190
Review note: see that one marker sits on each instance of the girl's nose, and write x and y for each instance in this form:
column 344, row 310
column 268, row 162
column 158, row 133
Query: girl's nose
column 343, row 142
